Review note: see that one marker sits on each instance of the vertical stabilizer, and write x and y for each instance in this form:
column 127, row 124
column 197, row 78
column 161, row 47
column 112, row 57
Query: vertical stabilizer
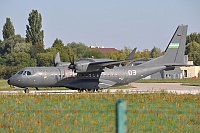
column 174, row 53
column 176, row 48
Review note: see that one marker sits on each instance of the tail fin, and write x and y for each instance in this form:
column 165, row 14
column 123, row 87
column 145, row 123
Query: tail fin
column 174, row 53
column 176, row 48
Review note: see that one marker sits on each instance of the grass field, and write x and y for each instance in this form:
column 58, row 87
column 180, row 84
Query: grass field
column 86, row 112
column 96, row 113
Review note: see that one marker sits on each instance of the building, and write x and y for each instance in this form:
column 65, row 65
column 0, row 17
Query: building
column 103, row 50
column 188, row 71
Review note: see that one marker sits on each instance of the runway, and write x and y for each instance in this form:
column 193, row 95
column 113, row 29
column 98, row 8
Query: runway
column 140, row 88
column 175, row 88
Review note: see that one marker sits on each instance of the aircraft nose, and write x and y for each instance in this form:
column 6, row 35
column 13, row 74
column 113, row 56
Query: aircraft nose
column 8, row 81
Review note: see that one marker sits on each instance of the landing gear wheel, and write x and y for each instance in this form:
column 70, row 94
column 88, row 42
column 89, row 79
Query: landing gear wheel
column 26, row 90
column 36, row 88
column 89, row 90
column 79, row 90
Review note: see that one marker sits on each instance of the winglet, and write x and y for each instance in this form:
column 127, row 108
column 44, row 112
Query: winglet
column 131, row 55
column 57, row 59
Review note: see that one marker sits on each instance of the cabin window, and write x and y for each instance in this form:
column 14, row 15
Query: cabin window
column 24, row 73
column 28, row 73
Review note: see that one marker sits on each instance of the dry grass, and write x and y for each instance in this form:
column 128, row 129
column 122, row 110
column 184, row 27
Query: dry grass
column 96, row 113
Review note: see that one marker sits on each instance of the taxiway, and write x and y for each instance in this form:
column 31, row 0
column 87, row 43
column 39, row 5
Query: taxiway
column 141, row 88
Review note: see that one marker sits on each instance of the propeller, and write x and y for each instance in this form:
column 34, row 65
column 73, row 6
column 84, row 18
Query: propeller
column 72, row 65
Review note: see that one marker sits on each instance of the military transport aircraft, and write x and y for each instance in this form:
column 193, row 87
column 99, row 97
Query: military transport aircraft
column 94, row 74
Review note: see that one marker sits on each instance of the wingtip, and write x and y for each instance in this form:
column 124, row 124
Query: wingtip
column 131, row 55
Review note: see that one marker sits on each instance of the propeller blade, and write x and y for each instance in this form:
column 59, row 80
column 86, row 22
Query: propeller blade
column 73, row 59
column 72, row 65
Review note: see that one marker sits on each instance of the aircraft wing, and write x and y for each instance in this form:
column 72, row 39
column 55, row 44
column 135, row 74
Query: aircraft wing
column 99, row 66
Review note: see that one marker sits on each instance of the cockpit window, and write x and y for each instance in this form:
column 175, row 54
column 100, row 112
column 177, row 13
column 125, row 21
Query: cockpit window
column 27, row 73
column 20, row 72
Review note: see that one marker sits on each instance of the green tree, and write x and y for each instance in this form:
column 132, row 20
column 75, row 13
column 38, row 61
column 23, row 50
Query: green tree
column 2, row 61
column 1, row 43
column 193, row 37
column 193, row 52
column 137, row 55
column 145, row 53
column 35, row 49
column 34, row 34
column 8, row 29
column 45, row 59
column 15, row 44
column 20, row 59
column 65, row 52
column 127, row 50
column 112, row 55
column 93, row 54
column 58, row 43
column 8, row 71
column 79, row 49
column 155, row 52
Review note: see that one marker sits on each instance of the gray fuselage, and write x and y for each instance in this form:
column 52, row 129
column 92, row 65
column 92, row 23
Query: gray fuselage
column 64, row 77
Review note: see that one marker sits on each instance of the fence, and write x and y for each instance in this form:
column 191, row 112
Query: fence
column 96, row 117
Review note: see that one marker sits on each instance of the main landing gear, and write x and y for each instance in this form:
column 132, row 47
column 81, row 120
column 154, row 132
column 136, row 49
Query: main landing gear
column 26, row 90
column 88, row 90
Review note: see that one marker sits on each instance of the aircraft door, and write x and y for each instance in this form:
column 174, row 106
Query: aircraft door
column 121, row 76
column 61, row 74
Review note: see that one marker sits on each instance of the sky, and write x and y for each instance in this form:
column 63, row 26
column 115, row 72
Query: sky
column 109, row 23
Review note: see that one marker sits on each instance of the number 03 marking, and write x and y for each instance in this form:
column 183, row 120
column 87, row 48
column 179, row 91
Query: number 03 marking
column 132, row 72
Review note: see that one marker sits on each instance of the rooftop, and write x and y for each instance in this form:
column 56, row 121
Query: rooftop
column 103, row 50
